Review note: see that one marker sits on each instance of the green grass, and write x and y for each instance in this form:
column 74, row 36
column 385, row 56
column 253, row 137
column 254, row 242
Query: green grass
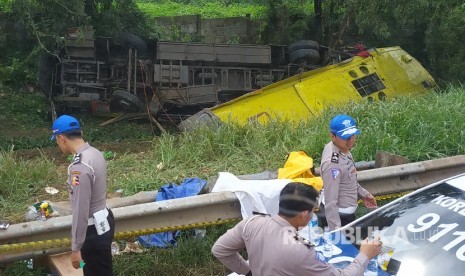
column 5, row 5
column 419, row 128
column 20, row 268
column 22, row 183
column 208, row 9
column 213, row 9
column 191, row 256
column 25, row 123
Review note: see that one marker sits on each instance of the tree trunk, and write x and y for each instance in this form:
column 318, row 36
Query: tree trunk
column 318, row 20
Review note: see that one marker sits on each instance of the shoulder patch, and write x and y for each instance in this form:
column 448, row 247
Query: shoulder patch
column 76, row 159
column 319, row 257
column 75, row 180
column 335, row 157
column 335, row 173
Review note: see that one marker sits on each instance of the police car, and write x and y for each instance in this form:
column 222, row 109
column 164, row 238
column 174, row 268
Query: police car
column 424, row 231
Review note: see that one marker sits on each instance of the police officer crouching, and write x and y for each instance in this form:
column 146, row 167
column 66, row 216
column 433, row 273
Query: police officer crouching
column 93, row 223
column 274, row 246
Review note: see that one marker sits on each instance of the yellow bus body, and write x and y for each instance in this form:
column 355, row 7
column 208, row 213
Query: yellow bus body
column 387, row 73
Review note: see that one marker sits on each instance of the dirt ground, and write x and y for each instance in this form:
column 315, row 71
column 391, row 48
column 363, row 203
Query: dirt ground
column 24, row 122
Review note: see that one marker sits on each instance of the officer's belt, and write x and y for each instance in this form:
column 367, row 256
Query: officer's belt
column 90, row 221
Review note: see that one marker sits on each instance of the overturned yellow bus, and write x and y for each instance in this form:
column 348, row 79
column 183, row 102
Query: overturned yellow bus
column 384, row 74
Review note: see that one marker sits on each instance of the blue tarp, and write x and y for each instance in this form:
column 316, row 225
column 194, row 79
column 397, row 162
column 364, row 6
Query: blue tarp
column 189, row 187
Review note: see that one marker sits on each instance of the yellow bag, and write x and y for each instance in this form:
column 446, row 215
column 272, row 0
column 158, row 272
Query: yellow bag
column 298, row 168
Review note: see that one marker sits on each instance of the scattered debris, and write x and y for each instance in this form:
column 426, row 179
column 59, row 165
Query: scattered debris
column 108, row 155
column 30, row 264
column 200, row 233
column 4, row 225
column 51, row 190
column 115, row 248
column 133, row 247
column 31, row 214
column 39, row 211
column 160, row 166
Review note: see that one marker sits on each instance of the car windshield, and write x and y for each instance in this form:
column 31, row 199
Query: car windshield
column 426, row 230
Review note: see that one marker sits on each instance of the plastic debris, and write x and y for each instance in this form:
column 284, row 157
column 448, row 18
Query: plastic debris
column 160, row 166
column 134, row 247
column 31, row 214
column 108, row 155
column 45, row 210
column 200, row 233
column 30, row 264
column 51, row 190
column 4, row 225
column 39, row 211
column 115, row 248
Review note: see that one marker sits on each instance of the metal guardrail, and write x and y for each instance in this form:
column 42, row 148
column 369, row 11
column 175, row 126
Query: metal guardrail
column 201, row 208
column 410, row 176
column 213, row 207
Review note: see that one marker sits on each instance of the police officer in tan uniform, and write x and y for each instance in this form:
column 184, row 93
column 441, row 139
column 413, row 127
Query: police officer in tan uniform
column 274, row 246
column 93, row 224
column 341, row 188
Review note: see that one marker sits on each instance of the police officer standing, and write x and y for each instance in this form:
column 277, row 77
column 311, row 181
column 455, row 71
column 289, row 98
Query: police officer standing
column 341, row 188
column 93, row 224
column 274, row 246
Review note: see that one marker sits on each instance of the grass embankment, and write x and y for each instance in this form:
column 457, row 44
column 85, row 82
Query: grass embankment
column 207, row 9
column 25, row 123
column 419, row 128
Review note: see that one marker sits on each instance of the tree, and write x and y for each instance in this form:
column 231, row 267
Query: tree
column 430, row 30
column 286, row 21
column 111, row 17
column 42, row 23
column 445, row 50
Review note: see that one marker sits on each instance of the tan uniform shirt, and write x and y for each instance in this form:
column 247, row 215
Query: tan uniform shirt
column 341, row 188
column 87, row 181
column 273, row 249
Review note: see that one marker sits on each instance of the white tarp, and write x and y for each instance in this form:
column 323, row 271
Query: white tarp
column 254, row 195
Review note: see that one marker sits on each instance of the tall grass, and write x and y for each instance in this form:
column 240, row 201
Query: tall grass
column 419, row 128
column 22, row 182
column 191, row 257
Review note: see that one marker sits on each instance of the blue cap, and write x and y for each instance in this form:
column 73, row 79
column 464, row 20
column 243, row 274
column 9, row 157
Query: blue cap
column 64, row 123
column 343, row 126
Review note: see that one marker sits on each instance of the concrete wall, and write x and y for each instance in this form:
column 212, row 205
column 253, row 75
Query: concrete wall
column 216, row 30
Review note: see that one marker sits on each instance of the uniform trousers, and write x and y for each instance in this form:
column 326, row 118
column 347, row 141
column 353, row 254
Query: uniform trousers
column 345, row 218
column 96, row 251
